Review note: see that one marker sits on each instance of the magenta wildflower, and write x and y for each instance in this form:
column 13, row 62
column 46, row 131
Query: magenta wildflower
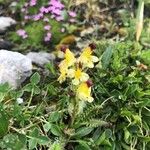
column 26, row 4
column 72, row 20
column 47, row 27
column 62, row 30
column 72, row 14
column 56, row 4
column 46, row 19
column 42, row 9
column 26, row 17
column 33, row 2
column 22, row 33
column 47, row 37
column 57, row 11
column 37, row 17
column 59, row 18
column 23, row 9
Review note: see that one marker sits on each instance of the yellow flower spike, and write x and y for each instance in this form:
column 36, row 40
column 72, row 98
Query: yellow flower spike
column 77, row 75
column 84, row 91
column 86, row 57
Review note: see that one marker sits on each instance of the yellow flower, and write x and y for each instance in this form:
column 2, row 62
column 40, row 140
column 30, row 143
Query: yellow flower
column 84, row 92
column 78, row 76
column 69, row 58
column 67, row 62
column 63, row 71
column 87, row 59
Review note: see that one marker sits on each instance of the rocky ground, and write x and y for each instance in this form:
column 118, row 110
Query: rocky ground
column 14, row 66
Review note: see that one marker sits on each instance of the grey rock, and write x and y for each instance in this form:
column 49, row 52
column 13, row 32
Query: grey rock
column 6, row 22
column 5, row 45
column 40, row 58
column 14, row 68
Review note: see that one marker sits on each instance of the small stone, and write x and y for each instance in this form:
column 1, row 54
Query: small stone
column 40, row 58
column 5, row 45
column 6, row 22
column 19, row 100
column 14, row 68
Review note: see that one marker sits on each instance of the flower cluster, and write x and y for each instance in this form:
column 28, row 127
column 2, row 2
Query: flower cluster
column 54, row 9
column 75, row 69
column 22, row 33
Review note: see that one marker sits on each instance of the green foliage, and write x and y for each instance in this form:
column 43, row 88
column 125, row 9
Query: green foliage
column 36, row 35
column 117, row 119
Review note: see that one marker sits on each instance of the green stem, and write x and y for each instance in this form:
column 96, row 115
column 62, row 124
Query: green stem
column 74, row 114
column 32, row 92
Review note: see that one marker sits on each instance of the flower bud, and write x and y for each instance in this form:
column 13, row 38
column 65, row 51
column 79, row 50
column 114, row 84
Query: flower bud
column 89, row 83
column 92, row 46
column 63, row 48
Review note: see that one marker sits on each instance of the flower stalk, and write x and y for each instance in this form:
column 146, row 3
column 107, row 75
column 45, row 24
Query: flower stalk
column 74, row 69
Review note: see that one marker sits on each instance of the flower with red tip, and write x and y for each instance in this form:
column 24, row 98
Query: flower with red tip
column 84, row 92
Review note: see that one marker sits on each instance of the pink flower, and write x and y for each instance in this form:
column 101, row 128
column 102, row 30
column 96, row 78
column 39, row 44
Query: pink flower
column 47, row 37
column 56, row 4
column 26, row 4
column 57, row 11
column 42, row 9
column 46, row 19
column 22, row 33
column 33, row 2
column 26, row 17
column 59, row 18
column 72, row 14
column 62, row 30
column 37, row 17
column 23, row 9
column 47, row 27
column 25, row 36
column 72, row 20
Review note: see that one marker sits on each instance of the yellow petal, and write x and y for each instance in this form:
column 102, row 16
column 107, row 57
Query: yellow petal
column 95, row 59
column 90, row 99
column 84, row 77
column 70, row 58
column 71, row 73
column 75, row 82
column 83, row 92
column 90, row 64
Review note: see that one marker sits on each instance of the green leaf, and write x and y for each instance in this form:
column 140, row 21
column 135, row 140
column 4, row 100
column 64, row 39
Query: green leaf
column 36, row 90
column 145, row 56
column 106, row 57
column 14, row 142
column 56, row 146
column 32, row 143
column 47, row 127
column 4, row 88
column 35, row 139
column 28, row 87
column 56, row 130
column 43, row 140
column 84, row 145
column 50, row 67
column 54, row 116
column 105, row 135
column 35, row 79
column 126, row 135
column 4, row 122
column 81, row 132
